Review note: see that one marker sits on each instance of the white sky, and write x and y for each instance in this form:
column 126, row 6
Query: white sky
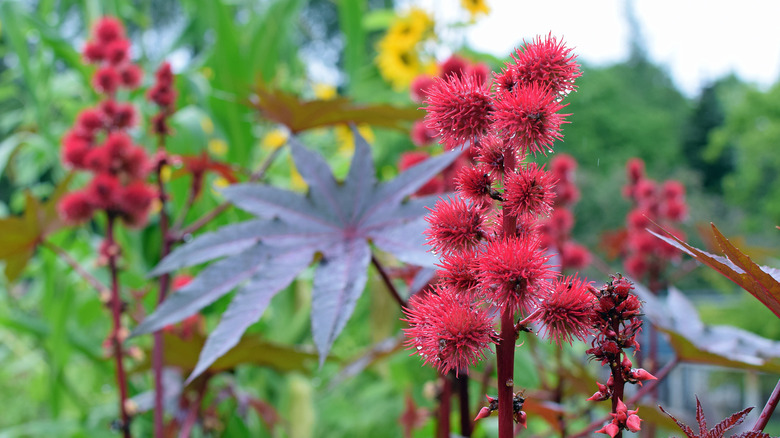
column 695, row 40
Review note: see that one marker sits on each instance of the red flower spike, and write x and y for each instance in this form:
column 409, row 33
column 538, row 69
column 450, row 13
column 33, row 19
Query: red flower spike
column 506, row 81
column 124, row 115
column 574, row 256
column 131, row 76
column 75, row 207
column 106, row 80
column 529, row 117
column 566, row 310
column 635, row 168
column 480, row 71
column 475, row 183
column 455, row 225
column 88, row 121
column 458, row 109
column 421, row 134
column 562, row 166
column 419, row 87
column 529, row 191
column 490, row 152
column 75, row 149
column 447, row 329
column 459, row 271
column 109, row 29
column 103, row 191
column 94, row 52
column 512, row 272
column 117, row 51
column 454, row 66
column 137, row 197
column 672, row 190
column 547, row 63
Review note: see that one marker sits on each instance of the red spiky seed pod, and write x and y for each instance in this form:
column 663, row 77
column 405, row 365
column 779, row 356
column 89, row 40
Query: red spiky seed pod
column 448, row 330
column 512, row 271
column 529, row 116
column 75, row 207
column 109, row 29
column 548, row 63
column 458, row 109
column 475, row 183
column 106, row 80
column 454, row 225
column 103, row 191
column 529, row 191
column 566, row 310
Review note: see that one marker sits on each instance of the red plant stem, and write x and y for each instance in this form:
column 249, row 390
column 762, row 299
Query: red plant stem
column 617, row 376
column 769, row 408
column 660, row 375
column 116, row 314
column 192, row 412
column 158, row 350
column 505, row 351
column 465, row 412
column 445, row 405
column 505, row 355
column 208, row 217
column 388, row 282
column 76, row 266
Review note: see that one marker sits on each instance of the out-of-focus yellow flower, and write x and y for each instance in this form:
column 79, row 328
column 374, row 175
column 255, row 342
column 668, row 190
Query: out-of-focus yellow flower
column 324, row 91
column 475, row 7
column 274, row 139
column 218, row 147
column 398, row 66
column 398, row 58
column 346, row 140
column 218, row 184
column 207, row 125
column 409, row 29
column 165, row 173
column 297, row 182
column 207, row 72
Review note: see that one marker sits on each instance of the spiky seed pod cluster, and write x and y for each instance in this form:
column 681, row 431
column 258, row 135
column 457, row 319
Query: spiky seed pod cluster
column 98, row 141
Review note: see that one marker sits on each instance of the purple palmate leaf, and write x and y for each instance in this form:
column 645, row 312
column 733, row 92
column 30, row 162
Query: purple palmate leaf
column 338, row 220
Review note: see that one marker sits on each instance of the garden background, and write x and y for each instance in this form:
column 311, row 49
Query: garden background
column 228, row 57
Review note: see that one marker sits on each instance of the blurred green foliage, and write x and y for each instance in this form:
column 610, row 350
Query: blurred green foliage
column 54, row 379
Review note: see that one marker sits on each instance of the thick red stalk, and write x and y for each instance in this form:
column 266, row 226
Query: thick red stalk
column 445, row 405
column 505, row 352
column 117, row 332
column 465, row 411
column 158, row 351
column 769, row 408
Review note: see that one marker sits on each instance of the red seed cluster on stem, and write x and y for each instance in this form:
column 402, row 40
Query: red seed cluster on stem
column 616, row 323
column 488, row 238
column 98, row 142
column 663, row 204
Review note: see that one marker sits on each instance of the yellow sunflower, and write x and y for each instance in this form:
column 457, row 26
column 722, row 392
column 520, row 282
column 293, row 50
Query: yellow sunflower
column 475, row 7
column 398, row 58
